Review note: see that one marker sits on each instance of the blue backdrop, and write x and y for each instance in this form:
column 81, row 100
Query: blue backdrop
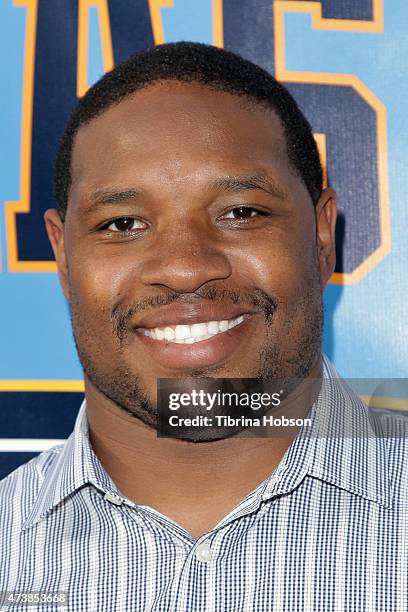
column 344, row 61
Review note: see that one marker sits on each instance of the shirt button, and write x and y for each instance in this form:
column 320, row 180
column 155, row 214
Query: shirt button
column 203, row 552
column 113, row 498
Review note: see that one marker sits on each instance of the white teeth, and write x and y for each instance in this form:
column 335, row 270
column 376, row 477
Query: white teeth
column 169, row 333
column 213, row 327
column 188, row 334
column 198, row 330
column 235, row 322
column 182, row 332
column 159, row 333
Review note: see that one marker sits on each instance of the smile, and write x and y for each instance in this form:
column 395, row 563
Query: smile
column 190, row 334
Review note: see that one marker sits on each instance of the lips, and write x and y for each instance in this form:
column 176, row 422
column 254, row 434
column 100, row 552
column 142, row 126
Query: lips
column 189, row 314
column 203, row 351
column 188, row 334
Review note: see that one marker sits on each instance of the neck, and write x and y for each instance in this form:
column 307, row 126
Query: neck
column 195, row 484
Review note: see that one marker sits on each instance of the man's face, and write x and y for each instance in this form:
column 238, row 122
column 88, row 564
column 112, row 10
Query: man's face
column 184, row 211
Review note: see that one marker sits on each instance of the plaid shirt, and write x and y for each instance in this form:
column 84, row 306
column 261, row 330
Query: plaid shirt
column 327, row 531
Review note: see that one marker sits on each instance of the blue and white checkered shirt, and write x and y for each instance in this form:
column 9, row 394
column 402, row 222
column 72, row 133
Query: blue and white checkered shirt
column 328, row 531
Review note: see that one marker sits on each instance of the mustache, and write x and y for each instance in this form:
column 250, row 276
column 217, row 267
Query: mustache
column 256, row 298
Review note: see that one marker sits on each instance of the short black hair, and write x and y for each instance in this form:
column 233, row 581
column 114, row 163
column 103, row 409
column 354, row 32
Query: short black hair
column 191, row 62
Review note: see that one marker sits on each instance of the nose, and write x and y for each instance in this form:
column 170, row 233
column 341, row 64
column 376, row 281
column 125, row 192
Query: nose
column 184, row 259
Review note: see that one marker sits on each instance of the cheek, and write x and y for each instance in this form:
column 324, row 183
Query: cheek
column 97, row 285
column 278, row 267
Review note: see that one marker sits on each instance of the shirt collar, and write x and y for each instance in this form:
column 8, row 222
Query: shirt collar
column 343, row 447
column 344, row 452
column 75, row 466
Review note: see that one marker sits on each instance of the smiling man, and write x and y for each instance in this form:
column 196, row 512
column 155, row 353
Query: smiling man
column 193, row 238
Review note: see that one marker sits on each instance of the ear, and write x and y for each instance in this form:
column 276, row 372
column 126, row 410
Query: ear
column 326, row 215
column 55, row 231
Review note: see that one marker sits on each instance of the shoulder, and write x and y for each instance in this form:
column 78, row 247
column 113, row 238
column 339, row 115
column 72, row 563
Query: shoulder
column 391, row 429
column 390, row 424
column 19, row 489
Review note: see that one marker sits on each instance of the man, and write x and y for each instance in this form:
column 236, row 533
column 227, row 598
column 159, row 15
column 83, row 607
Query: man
column 193, row 238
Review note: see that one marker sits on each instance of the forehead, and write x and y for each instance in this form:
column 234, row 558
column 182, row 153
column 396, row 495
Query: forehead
column 169, row 129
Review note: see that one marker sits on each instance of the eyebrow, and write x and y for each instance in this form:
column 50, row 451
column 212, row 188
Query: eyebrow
column 106, row 197
column 232, row 184
column 259, row 180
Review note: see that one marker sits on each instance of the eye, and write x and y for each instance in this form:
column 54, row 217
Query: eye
column 244, row 212
column 123, row 225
